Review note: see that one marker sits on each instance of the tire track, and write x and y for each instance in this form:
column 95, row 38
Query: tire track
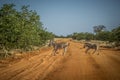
column 99, row 70
column 33, row 67
column 39, row 71
column 16, row 69
column 109, row 66
column 33, row 72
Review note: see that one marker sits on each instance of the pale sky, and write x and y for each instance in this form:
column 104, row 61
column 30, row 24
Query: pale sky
column 64, row 17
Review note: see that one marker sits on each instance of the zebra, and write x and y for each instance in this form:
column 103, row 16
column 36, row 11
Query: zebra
column 91, row 46
column 60, row 45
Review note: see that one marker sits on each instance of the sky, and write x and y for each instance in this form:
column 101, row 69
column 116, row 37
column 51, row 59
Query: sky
column 64, row 17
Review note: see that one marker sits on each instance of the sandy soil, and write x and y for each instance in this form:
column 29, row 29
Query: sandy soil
column 74, row 65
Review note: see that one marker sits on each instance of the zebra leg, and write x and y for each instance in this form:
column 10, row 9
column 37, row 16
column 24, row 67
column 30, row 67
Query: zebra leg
column 98, row 52
column 94, row 51
column 54, row 51
column 87, row 50
column 65, row 49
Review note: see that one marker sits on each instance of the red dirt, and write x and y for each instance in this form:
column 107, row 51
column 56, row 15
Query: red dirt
column 74, row 65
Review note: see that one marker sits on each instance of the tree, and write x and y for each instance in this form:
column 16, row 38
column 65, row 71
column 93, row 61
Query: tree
column 104, row 36
column 21, row 29
column 74, row 35
column 7, row 26
column 116, row 35
column 98, row 28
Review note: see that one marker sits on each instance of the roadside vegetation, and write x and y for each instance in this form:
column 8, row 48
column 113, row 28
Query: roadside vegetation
column 100, row 33
column 21, row 29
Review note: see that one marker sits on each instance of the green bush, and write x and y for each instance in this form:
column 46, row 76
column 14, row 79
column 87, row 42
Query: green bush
column 80, row 36
column 21, row 28
column 103, row 35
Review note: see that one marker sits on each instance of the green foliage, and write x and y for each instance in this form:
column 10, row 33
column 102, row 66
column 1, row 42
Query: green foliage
column 21, row 29
column 80, row 36
column 59, row 36
column 104, row 36
column 98, row 28
column 115, row 35
column 45, row 35
column 111, row 36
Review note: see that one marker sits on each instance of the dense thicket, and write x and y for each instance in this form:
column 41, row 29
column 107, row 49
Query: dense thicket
column 21, row 28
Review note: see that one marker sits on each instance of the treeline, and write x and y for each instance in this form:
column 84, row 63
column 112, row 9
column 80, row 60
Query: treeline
column 21, row 29
column 100, row 34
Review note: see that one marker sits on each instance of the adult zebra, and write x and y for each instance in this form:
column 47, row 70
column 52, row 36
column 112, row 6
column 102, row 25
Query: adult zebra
column 56, row 46
column 91, row 46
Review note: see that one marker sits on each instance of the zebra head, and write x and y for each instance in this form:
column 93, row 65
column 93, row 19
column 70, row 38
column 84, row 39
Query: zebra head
column 51, row 43
column 85, row 45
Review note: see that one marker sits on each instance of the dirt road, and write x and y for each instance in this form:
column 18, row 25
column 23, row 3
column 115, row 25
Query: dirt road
column 75, row 65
